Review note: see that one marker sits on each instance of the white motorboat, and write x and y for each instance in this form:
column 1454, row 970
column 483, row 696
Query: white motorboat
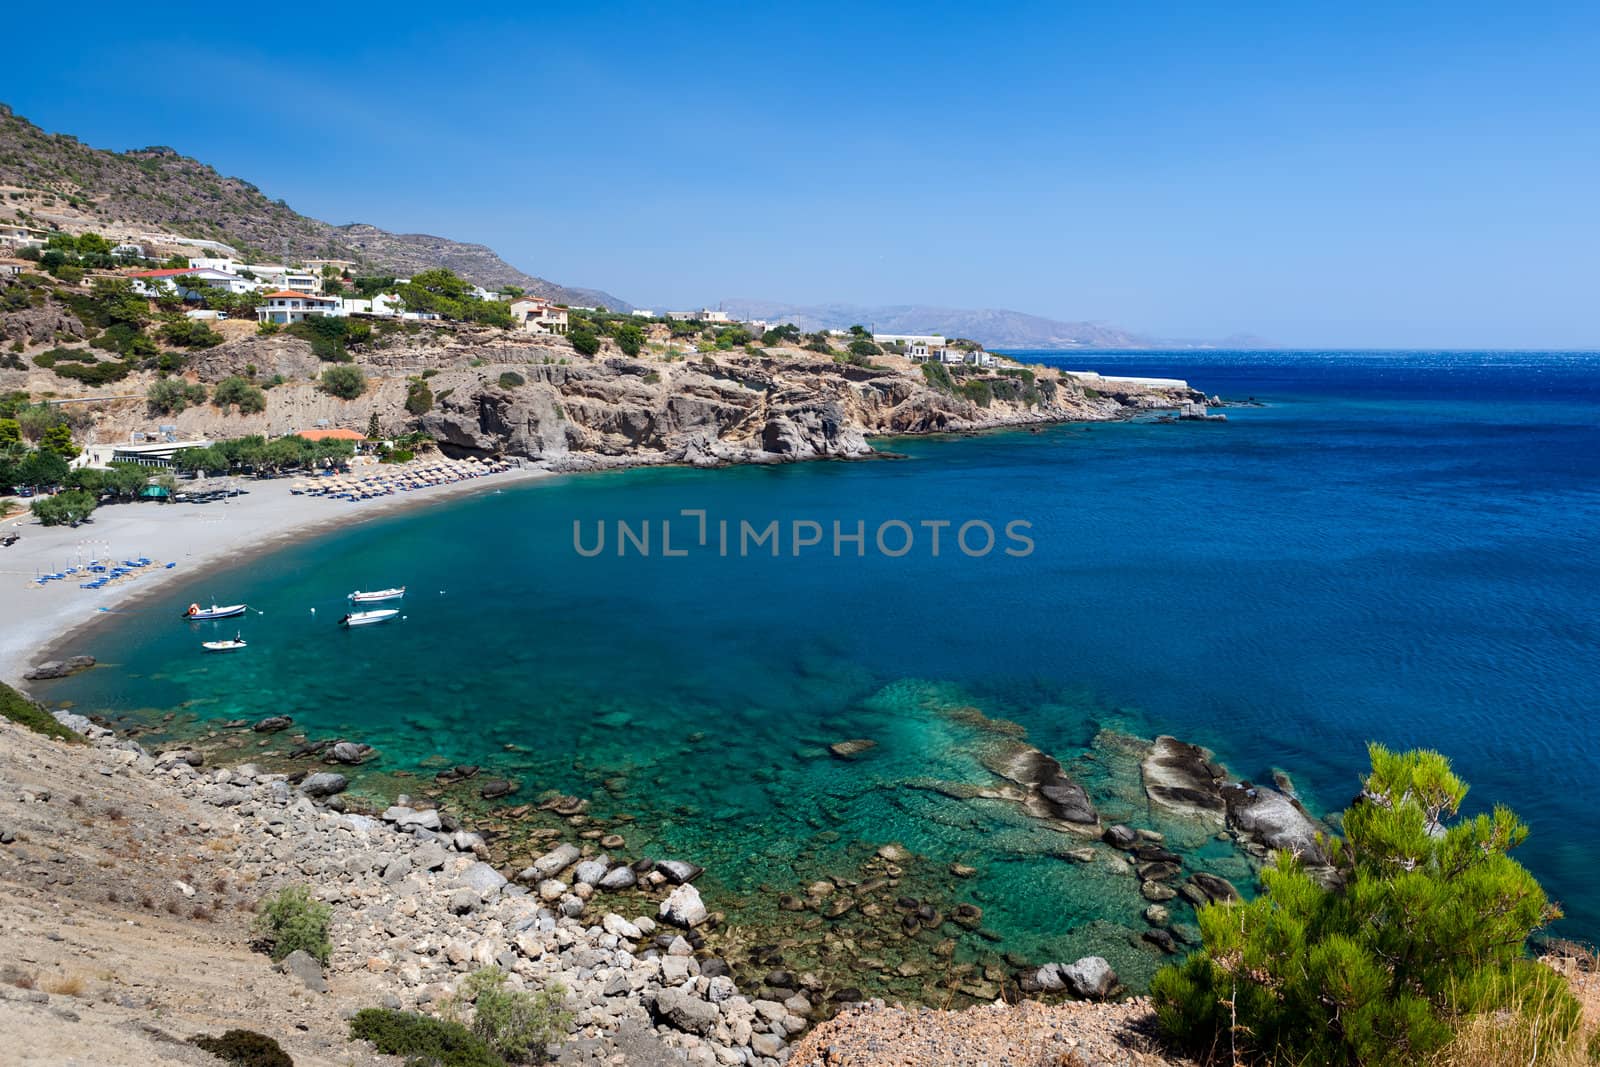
column 198, row 614
column 225, row 646
column 377, row 595
column 367, row 618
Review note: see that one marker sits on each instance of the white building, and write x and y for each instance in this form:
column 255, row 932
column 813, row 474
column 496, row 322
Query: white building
column 151, row 282
column 642, row 313
column 703, row 315
column 926, row 340
column 288, row 306
column 533, row 315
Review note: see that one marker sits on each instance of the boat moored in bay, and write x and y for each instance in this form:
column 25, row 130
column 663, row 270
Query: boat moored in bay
column 367, row 618
column 198, row 614
column 358, row 597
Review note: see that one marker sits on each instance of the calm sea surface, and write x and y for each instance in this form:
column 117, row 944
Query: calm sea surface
column 1401, row 547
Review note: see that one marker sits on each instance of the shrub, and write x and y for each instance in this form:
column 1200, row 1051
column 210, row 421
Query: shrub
column 234, row 390
column 519, row 1026
column 423, row 1041
column 511, row 379
column 1423, row 935
column 291, row 920
column 344, row 381
column 171, row 395
column 64, row 508
column 419, row 398
column 329, row 335
column 938, row 376
column 864, row 348
column 630, row 338
column 24, row 712
column 245, row 1048
column 584, row 341
column 189, row 333
column 979, row 392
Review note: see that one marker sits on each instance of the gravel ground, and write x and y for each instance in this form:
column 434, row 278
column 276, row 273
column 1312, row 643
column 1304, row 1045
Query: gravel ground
column 1029, row 1034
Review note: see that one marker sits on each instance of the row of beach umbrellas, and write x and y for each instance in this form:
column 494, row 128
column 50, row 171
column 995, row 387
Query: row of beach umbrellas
column 398, row 478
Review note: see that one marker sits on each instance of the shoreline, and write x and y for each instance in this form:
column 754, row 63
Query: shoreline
column 42, row 620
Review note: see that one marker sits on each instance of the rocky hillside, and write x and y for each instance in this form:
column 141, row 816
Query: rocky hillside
column 490, row 391
column 62, row 181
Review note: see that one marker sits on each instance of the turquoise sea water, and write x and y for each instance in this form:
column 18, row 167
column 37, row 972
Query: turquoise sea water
column 1397, row 547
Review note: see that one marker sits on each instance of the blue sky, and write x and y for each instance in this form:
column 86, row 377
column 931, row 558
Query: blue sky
column 1363, row 175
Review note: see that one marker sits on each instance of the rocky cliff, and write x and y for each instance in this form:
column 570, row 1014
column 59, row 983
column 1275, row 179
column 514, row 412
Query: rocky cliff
column 497, row 393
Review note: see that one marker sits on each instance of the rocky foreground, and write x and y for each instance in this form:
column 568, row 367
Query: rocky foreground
column 131, row 879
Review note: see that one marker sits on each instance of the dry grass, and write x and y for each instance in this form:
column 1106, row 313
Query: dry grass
column 67, row 985
column 1512, row 1039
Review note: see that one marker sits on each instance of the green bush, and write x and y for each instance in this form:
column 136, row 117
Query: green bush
column 171, row 395
column 290, row 920
column 864, row 348
column 1425, row 932
column 19, row 709
column 329, row 335
column 244, row 1048
column 511, row 379
column 517, row 1025
column 419, row 398
column 189, row 333
column 629, row 337
column 979, row 392
column 64, row 508
column 938, row 376
column 344, row 381
column 234, row 390
column 423, row 1041
column 584, row 341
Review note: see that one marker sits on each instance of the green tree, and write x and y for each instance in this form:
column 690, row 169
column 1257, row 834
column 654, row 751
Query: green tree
column 171, row 395
column 374, row 431
column 10, row 432
column 344, row 380
column 630, row 338
column 58, row 439
column 234, row 390
column 1424, row 929
column 188, row 333
column 584, row 341
column 64, row 508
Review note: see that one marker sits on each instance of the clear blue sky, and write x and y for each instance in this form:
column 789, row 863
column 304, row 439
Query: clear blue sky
column 1366, row 175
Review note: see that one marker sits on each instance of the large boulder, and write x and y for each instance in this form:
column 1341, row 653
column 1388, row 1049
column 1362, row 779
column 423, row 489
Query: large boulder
column 324, row 784
column 59, row 668
column 618, row 878
column 1090, row 978
column 272, row 724
column 1273, row 821
column 683, row 1012
column 482, row 878
column 679, row 871
column 303, row 966
column 350, row 753
column 551, row 863
column 683, row 907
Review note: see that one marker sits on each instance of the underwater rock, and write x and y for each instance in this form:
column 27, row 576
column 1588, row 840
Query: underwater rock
column 1157, row 892
column 1120, row 836
column 1182, row 778
column 1048, row 793
column 272, row 724
column 679, row 872
column 1216, row 889
column 349, row 753
column 499, row 787
column 852, row 748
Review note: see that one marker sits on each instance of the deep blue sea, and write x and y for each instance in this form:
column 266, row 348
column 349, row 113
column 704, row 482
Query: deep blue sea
column 1400, row 547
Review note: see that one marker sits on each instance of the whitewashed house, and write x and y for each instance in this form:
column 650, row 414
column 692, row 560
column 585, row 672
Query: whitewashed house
column 533, row 315
column 152, row 282
column 288, row 306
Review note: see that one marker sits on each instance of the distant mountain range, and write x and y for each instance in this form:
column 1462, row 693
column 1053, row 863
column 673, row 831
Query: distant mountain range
column 159, row 190
column 995, row 327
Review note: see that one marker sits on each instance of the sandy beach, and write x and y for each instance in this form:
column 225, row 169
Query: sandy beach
column 34, row 617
